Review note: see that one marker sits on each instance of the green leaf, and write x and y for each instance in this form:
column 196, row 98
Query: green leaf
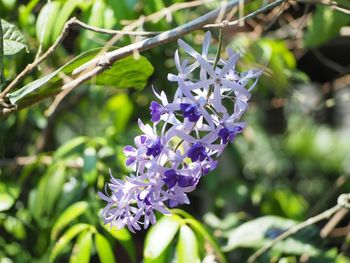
column 125, row 239
column 88, row 39
column 187, row 246
column 66, row 238
column 69, row 147
column 13, row 39
column 257, row 232
column 201, row 230
column 8, row 195
column 82, row 248
column 104, row 250
column 128, row 73
column 118, row 109
column 160, row 236
column 68, row 215
column 43, row 199
column 89, row 169
column 324, row 25
column 46, row 22
column 63, row 15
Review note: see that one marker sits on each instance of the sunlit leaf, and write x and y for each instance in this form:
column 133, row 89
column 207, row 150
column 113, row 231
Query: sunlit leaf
column 13, row 39
column 91, row 39
column 66, row 238
column 187, row 246
column 89, row 167
column 160, row 236
column 69, row 147
column 104, row 250
column 62, row 17
column 82, row 248
column 125, row 239
column 8, row 195
column 324, row 25
column 68, row 215
column 46, row 21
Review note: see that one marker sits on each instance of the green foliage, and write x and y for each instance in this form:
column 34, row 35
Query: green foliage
column 325, row 25
column 290, row 163
column 13, row 39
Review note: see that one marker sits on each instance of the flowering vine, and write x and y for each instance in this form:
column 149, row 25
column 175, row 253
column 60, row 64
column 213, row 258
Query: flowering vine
column 187, row 136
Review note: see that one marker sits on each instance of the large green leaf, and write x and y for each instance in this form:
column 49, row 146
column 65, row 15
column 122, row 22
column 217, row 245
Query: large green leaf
column 124, row 73
column 13, row 39
column 66, row 238
column 104, row 250
column 44, row 198
column 125, row 239
column 62, row 17
column 68, row 215
column 325, row 24
column 96, row 17
column 46, row 21
column 187, row 246
column 82, row 248
column 8, row 196
column 257, row 232
column 160, row 236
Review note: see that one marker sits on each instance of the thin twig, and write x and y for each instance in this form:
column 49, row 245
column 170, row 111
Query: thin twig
column 253, row 14
column 115, row 32
column 342, row 202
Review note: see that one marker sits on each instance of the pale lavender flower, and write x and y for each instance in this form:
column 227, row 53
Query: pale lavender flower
column 188, row 134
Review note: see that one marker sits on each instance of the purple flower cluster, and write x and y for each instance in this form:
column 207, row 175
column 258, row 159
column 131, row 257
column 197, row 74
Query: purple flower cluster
column 187, row 135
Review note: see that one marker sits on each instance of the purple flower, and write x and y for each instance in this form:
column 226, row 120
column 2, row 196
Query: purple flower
column 190, row 111
column 171, row 178
column 157, row 111
column 227, row 134
column 198, row 118
column 155, row 148
column 197, row 152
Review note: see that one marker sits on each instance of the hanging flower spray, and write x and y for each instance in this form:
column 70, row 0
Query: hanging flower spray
column 187, row 136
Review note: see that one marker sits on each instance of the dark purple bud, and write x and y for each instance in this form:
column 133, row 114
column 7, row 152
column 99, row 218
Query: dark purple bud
column 186, row 181
column 229, row 134
column 190, row 111
column 173, row 203
column 129, row 161
column 197, row 152
column 143, row 139
column 209, row 167
column 157, row 110
column 170, row 178
column 155, row 148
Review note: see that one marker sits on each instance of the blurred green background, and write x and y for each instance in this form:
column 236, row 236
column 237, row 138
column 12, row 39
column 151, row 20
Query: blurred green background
column 292, row 161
